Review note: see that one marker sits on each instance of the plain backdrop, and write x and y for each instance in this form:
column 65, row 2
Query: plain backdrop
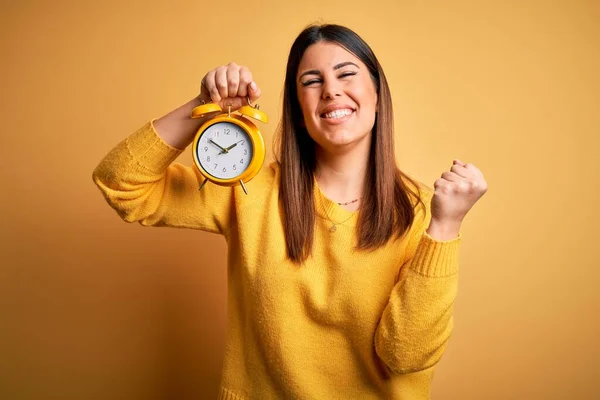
column 94, row 308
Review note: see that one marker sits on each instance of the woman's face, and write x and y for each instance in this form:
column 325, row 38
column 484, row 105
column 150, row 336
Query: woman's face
column 337, row 96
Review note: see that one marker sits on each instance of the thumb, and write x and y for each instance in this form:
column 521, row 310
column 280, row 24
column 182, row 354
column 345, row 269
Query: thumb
column 253, row 91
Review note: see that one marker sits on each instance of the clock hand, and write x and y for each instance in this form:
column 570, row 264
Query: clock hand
column 219, row 146
column 233, row 145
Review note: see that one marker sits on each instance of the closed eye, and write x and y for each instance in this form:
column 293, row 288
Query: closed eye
column 313, row 81
column 310, row 82
column 345, row 74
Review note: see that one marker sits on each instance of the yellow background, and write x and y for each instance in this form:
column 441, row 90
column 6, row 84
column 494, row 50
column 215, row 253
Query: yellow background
column 94, row 308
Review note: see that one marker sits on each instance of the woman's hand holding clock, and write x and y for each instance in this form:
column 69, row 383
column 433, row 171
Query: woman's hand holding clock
column 229, row 85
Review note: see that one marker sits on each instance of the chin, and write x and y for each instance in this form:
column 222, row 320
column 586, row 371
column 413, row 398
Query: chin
column 337, row 140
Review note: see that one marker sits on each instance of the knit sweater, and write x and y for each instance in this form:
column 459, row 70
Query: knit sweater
column 345, row 324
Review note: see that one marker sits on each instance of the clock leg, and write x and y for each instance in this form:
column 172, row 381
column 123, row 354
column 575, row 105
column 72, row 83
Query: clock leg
column 243, row 186
column 203, row 183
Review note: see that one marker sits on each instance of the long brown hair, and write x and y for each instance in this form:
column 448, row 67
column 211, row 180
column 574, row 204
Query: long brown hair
column 386, row 209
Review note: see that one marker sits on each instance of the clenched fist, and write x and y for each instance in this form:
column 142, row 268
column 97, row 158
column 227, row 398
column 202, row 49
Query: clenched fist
column 455, row 194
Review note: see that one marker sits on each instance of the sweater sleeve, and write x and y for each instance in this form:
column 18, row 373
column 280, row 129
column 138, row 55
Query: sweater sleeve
column 417, row 322
column 140, row 180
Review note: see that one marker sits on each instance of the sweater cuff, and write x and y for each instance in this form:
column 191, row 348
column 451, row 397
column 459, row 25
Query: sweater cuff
column 436, row 258
column 149, row 150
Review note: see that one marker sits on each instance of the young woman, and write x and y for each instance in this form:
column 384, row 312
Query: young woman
column 342, row 271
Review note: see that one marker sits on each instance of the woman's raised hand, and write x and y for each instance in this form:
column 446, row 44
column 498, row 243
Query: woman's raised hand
column 229, row 84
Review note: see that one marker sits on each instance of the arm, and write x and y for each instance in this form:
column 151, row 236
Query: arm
column 176, row 128
column 140, row 181
column 417, row 322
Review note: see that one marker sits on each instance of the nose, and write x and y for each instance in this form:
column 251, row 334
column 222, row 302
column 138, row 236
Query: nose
column 331, row 89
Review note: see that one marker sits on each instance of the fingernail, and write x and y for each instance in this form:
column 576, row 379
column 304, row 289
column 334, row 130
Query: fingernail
column 253, row 86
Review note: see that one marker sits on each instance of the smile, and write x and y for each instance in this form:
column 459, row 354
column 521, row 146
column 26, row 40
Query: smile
column 337, row 114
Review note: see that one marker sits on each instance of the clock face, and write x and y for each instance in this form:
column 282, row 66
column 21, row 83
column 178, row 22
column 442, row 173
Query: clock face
column 224, row 150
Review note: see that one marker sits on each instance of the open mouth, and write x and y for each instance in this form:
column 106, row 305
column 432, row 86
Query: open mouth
column 337, row 114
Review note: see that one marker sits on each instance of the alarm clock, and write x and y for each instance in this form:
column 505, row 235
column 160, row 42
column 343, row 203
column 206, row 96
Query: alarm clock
column 228, row 148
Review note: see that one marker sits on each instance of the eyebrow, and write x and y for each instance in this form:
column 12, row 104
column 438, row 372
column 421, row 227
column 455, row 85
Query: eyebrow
column 317, row 72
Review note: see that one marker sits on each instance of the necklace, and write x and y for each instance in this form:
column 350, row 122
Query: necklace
column 333, row 227
column 350, row 202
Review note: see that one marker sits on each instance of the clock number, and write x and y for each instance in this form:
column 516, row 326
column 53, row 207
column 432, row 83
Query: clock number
column 236, row 134
column 215, row 166
column 234, row 168
column 205, row 149
column 242, row 161
column 242, row 142
column 208, row 159
column 226, row 131
column 245, row 152
column 224, row 170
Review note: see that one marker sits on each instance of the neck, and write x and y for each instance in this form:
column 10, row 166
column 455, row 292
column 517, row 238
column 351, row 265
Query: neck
column 341, row 175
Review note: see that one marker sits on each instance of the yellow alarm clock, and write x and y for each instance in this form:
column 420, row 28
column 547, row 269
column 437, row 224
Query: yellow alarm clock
column 229, row 149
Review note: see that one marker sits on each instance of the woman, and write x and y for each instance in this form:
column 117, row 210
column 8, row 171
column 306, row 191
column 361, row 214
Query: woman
column 342, row 271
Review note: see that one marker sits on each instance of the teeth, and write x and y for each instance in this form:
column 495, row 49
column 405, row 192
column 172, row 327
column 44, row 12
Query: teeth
column 338, row 113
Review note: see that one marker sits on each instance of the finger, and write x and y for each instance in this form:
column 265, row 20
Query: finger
column 233, row 79
column 461, row 185
column 452, row 177
column 253, row 91
column 440, row 184
column 473, row 169
column 461, row 171
column 208, row 84
column 221, row 81
column 245, row 80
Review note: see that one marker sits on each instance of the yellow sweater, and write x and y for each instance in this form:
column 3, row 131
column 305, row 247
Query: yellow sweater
column 345, row 325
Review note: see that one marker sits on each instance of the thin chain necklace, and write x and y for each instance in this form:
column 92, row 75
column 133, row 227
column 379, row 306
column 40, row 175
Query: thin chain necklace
column 333, row 227
column 350, row 202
